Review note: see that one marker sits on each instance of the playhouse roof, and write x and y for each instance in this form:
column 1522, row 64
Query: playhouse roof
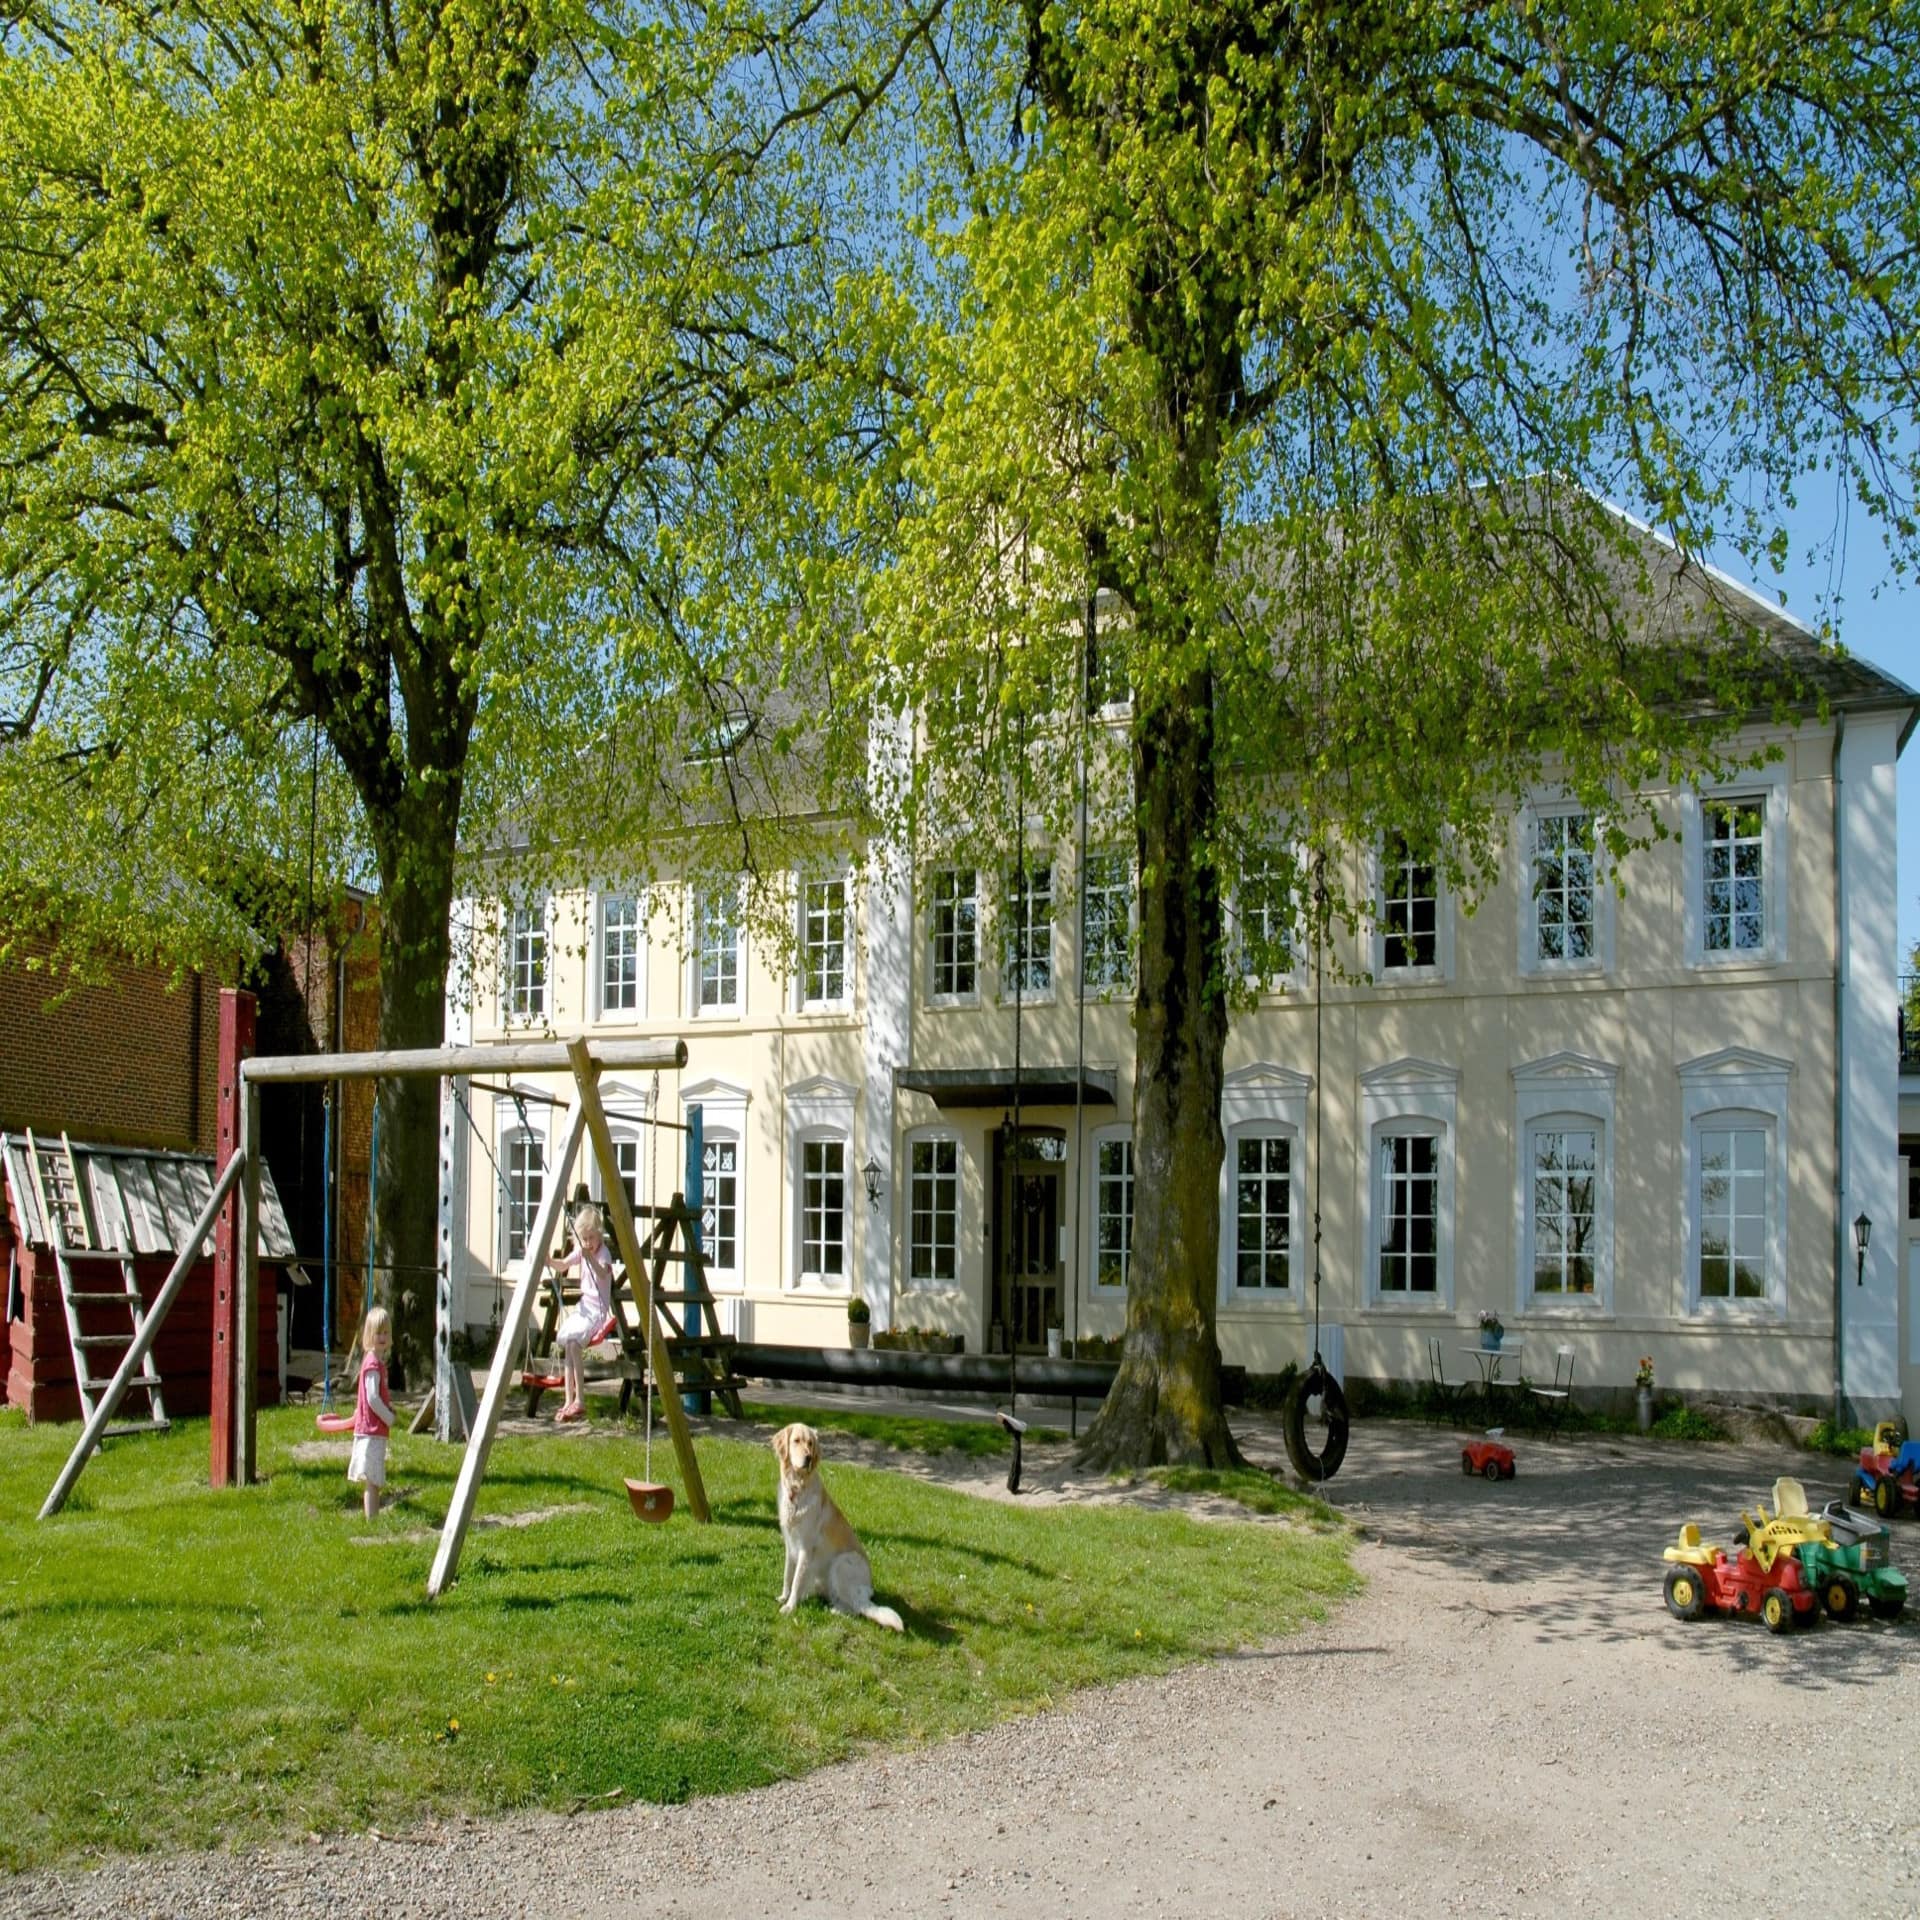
column 139, row 1201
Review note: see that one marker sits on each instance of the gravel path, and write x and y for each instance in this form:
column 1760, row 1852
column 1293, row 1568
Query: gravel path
column 1506, row 1722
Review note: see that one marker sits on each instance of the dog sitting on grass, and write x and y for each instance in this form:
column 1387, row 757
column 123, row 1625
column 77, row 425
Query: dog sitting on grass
column 824, row 1555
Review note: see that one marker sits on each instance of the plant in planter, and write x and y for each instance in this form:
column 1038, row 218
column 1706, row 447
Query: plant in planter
column 1643, row 1385
column 1491, row 1331
column 859, row 1321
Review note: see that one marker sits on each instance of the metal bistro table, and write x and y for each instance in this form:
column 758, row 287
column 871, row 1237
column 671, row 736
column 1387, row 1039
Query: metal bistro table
column 1492, row 1381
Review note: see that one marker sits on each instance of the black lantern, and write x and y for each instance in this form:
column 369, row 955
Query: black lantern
column 1862, row 1239
column 876, row 1182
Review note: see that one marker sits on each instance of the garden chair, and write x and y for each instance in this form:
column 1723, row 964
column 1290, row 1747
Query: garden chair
column 1552, row 1401
column 1443, row 1395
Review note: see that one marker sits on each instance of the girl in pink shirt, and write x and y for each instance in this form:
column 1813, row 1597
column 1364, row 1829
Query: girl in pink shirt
column 592, row 1320
column 372, row 1416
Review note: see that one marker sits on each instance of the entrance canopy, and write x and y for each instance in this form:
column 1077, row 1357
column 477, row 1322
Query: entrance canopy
column 953, row 1087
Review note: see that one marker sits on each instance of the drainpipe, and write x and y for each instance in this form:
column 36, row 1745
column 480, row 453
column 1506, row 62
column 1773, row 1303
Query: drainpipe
column 1839, row 1079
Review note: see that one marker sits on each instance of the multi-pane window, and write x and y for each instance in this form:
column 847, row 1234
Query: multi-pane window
column 1113, row 1212
column 626, row 1158
column 1563, row 898
column 1029, row 955
column 716, row 945
column 823, row 1209
column 720, row 1203
column 1409, row 906
column 933, row 1198
column 524, row 1171
column 620, row 956
column 1733, row 876
column 823, row 943
column 527, row 964
column 1410, row 1213
column 1107, row 962
column 956, row 934
column 1263, row 1207
column 1265, row 905
column 1565, row 1166
column 1107, row 672
column 1733, row 1213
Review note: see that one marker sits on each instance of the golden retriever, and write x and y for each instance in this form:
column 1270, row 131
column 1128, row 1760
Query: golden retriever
column 824, row 1555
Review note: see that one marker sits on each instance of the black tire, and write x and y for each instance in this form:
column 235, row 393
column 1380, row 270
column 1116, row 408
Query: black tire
column 1686, row 1593
column 1884, row 1498
column 1840, row 1596
column 1491, row 1470
column 1466, row 1463
column 1888, row 1606
column 1776, row 1610
column 1317, row 1382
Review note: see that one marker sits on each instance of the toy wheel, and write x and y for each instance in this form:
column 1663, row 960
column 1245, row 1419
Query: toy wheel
column 1686, row 1593
column 1862, row 1493
column 1777, row 1611
column 1466, row 1463
column 1888, row 1606
column 1491, row 1471
column 1839, row 1596
column 1883, row 1498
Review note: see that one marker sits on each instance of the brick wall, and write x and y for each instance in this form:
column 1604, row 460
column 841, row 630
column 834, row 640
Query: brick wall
column 134, row 1063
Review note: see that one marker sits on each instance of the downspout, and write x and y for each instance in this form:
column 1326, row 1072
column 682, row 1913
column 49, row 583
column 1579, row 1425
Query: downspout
column 1839, row 1078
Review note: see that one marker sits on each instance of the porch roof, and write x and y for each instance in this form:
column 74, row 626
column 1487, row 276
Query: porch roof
column 1040, row 1086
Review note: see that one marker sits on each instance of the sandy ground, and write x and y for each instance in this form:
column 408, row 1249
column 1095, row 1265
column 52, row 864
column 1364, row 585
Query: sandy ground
column 1506, row 1722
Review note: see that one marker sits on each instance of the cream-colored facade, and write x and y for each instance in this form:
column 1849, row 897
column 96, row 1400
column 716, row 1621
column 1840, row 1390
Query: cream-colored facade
column 1639, row 1127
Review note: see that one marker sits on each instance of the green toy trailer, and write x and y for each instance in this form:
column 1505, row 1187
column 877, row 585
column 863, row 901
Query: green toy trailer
column 1854, row 1564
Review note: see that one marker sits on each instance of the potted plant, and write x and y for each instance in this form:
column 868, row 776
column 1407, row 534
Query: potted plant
column 1055, row 1334
column 859, row 1321
column 1491, row 1331
column 1643, row 1385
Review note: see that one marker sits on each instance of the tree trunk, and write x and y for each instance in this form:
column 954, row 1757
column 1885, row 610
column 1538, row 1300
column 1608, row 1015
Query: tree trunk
column 1165, row 1402
column 416, row 874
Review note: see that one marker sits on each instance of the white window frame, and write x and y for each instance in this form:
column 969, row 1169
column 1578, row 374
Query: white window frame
column 1109, row 647
column 934, row 1137
column 821, row 1110
column 1769, row 788
column 603, row 1008
column 1532, row 960
column 1111, row 866
column 1017, row 921
column 525, row 922
column 723, row 1116
column 628, row 1109
column 1411, row 1096
column 804, row 1001
column 1736, row 1088
column 960, row 996
column 724, row 1273
column 509, row 1131
column 1565, row 1092
column 1268, row 1100
column 1265, row 858
column 700, row 901
column 1441, row 967
column 1099, row 1138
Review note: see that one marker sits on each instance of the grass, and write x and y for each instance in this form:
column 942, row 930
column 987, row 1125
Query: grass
column 1258, row 1492
column 187, row 1668
column 977, row 1439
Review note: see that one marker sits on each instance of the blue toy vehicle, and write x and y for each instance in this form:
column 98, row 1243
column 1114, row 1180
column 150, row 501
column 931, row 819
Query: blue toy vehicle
column 1886, row 1480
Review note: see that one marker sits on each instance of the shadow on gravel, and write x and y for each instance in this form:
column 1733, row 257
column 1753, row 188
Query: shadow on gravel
column 1575, row 1539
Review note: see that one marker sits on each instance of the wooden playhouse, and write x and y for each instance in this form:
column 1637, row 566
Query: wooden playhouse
column 90, row 1233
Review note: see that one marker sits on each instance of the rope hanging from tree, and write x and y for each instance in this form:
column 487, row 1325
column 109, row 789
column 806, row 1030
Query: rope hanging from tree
column 1317, row 1383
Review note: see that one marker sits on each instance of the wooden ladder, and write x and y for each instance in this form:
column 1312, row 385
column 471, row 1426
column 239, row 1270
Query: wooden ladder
column 62, row 1195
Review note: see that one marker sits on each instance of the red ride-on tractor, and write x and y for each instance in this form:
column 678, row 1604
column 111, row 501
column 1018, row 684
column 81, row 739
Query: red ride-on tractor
column 1888, row 1478
column 1706, row 1578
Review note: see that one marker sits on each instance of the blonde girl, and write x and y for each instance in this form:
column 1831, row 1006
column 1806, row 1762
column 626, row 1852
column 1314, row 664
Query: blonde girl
column 372, row 1414
column 592, row 1320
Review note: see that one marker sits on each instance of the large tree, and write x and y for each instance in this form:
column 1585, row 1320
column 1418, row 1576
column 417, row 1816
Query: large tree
column 1293, row 350
column 376, row 385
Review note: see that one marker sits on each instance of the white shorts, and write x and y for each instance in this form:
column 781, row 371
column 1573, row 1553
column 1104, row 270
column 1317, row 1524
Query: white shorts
column 577, row 1328
column 368, row 1467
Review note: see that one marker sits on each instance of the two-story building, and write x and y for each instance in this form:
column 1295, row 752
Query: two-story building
column 1636, row 1119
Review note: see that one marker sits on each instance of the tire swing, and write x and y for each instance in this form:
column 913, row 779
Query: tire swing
column 1317, row 1384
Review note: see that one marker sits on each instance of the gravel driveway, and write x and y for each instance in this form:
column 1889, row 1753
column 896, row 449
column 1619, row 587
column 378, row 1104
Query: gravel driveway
column 1505, row 1722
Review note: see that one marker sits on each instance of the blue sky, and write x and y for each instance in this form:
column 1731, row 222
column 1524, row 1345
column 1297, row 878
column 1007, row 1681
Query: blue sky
column 1841, row 568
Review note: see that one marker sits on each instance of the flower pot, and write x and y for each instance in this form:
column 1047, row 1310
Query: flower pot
column 1490, row 1338
column 1643, row 1409
column 858, row 1331
column 1053, row 1343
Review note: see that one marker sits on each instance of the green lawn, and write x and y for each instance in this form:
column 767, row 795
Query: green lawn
column 906, row 1432
column 186, row 1668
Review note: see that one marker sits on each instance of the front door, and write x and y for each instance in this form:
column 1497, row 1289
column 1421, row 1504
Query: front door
column 1027, row 1277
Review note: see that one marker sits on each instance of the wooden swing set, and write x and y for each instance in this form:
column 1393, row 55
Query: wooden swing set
column 232, row 1214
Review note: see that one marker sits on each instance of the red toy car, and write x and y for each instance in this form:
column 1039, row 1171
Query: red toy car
column 1705, row 1578
column 1488, row 1458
